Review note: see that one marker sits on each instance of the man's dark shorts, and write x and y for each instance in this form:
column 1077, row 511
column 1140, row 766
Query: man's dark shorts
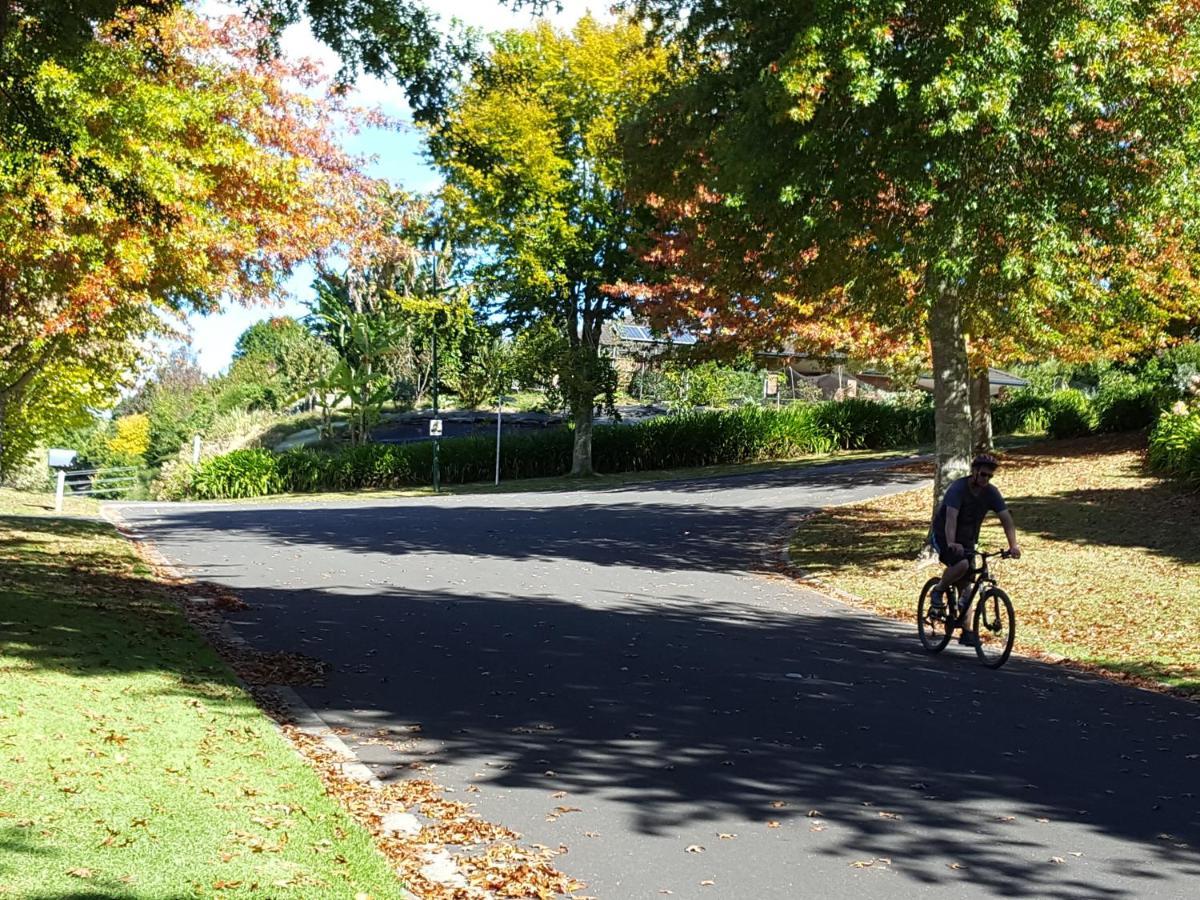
column 946, row 556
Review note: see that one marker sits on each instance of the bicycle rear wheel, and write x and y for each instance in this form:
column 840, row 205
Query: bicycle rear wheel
column 934, row 629
column 996, row 625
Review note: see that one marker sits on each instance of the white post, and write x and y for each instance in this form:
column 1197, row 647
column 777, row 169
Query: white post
column 58, row 490
column 196, row 450
column 499, row 407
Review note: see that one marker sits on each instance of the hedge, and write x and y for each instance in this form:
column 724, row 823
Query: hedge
column 695, row 438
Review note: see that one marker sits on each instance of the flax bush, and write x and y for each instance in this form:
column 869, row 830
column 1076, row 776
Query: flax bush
column 1175, row 444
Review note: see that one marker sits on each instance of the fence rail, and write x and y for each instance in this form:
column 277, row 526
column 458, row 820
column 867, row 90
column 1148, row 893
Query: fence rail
column 94, row 481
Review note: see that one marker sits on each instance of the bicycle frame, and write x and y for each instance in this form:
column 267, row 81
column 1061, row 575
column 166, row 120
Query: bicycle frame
column 981, row 576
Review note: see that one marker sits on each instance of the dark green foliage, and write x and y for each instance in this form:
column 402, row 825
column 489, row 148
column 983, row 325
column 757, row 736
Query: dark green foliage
column 1126, row 403
column 240, row 474
column 1070, row 414
column 695, row 438
column 864, row 424
column 1022, row 412
column 1175, row 445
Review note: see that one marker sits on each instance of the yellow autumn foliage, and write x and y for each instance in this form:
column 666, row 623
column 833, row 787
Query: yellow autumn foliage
column 131, row 436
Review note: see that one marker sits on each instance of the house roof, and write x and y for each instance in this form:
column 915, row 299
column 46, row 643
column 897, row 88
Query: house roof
column 640, row 334
column 997, row 378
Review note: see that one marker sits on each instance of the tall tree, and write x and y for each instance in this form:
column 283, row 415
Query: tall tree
column 238, row 178
column 534, row 177
column 1008, row 176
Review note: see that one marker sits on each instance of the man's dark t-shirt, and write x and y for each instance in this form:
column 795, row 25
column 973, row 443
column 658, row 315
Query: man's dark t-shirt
column 972, row 508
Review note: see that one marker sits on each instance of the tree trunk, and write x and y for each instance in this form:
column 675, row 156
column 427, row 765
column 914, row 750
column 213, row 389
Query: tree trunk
column 981, row 411
column 581, row 455
column 951, row 390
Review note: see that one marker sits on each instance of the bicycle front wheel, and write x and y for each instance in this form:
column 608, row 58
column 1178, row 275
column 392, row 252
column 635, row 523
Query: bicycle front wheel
column 996, row 625
column 935, row 628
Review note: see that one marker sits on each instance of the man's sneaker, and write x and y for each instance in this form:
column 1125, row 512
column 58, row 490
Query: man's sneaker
column 969, row 639
column 937, row 602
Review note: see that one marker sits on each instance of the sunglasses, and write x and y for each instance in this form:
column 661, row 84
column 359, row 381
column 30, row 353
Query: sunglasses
column 982, row 474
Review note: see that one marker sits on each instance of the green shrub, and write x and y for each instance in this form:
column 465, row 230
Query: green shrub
column 865, row 424
column 1022, row 412
column 1175, row 445
column 240, row 474
column 1069, row 414
column 695, row 438
column 31, row 473
column 1126, row 402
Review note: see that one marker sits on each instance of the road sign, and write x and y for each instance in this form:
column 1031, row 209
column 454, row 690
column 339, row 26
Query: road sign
column 435, row 427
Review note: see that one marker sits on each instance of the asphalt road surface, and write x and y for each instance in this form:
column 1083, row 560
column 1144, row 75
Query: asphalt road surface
column 631, row 648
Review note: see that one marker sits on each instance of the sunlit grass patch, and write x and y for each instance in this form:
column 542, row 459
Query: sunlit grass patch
column 1111, row 575
column 131, row 762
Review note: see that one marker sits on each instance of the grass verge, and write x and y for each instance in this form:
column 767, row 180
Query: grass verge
column 131, row 762
column 1111, row 573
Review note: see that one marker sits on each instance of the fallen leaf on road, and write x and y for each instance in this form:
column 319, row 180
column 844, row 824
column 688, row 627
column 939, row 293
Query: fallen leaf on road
column 889, row 815
column 694, row 848
column 1057, row 859
column 813, row 813
column 777, row 804
column 708, row 882
column 773, row 824
column 955, row 866
column 725, row 835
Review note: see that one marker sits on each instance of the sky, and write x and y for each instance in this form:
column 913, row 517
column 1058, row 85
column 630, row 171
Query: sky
column 397, row 155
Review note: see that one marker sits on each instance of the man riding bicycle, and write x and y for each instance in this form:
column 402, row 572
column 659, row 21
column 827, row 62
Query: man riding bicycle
column 956, row 529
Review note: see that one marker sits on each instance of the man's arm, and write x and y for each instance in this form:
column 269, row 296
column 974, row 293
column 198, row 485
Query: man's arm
column 952, row 529
column 1010, row 530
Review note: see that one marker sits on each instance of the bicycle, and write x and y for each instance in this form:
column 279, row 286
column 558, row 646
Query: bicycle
column 994, row 621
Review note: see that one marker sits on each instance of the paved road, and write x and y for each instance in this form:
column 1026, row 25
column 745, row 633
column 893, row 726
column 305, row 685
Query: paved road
column 627, row 647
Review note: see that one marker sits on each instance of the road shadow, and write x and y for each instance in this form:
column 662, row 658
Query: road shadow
column 686, row 713
column 655, row 527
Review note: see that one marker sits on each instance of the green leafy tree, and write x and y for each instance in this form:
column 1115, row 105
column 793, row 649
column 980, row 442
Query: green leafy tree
column 1001, row 179
column 485, row 369
column 297, row 359
column 534, row 177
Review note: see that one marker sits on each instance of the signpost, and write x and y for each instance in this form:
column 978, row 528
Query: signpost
column 500, row 401
column 435, row 421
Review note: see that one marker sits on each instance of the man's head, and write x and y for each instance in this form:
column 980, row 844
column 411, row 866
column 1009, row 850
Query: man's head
column 983, row 467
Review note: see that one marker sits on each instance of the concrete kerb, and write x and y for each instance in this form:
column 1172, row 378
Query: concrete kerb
column 307, row 720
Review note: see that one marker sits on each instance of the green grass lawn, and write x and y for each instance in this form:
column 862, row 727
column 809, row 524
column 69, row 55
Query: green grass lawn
column 1110, row 576
column 131, row 762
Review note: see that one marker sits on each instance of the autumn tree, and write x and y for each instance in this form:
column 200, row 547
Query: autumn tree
column 534, row 177
column 238, row 177
column 1002, row 179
